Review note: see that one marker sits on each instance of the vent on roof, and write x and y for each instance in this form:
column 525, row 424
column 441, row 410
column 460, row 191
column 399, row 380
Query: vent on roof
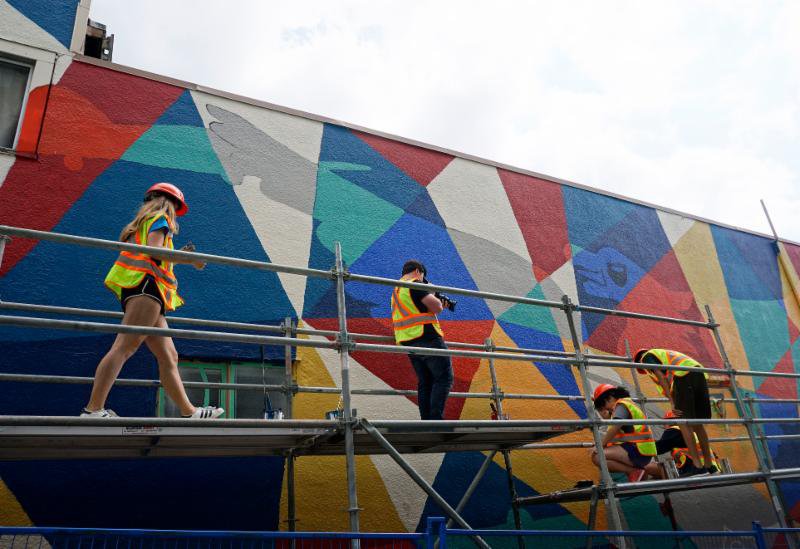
column 97, row 43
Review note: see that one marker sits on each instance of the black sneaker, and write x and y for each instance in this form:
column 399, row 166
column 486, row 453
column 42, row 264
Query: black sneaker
column 691, row 471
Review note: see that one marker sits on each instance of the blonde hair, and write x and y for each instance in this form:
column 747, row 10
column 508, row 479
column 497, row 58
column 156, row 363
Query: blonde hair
column 156, row 205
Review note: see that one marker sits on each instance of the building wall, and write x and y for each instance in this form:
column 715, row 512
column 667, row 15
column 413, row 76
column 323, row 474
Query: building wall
column 270, row 185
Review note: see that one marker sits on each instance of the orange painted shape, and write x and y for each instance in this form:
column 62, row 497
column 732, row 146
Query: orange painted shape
column 32, row 121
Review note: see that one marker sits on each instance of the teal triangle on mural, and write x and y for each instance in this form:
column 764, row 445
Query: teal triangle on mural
column 348, row 213
column 575, row 249
column 178, row 140
column 530, row 316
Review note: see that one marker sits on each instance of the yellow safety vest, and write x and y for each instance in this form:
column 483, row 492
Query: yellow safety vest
column 641, row 436
column 130, row 268
column 670, row 358
column 681, row 455
column 408, row 321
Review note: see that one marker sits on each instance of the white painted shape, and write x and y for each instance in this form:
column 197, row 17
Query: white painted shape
column 62, row 64
column 79, row 29
column 284, row 233
column 6, row 161
column 470, row 197
column 408, row 498
column 675, row 226
column 16, row 27
column 563, row 279
column 301, row 135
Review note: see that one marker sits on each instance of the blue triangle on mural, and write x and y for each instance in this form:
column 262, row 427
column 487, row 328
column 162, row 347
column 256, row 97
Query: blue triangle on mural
column 182, row 112
column 608, row 268
column 560, row 376
column 424, row 208
column 381, row 177
column 414, row 238
column 218, row 292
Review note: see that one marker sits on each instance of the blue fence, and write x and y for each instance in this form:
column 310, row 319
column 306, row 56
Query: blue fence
column 437, row 535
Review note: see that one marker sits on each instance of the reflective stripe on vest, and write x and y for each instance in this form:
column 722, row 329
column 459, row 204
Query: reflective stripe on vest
column 641, row 436
column 130, row 268
column 681, row 455
column 670, row 358
column 408, row 321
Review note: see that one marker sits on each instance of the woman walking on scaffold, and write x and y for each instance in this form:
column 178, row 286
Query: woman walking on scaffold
column 146, row 288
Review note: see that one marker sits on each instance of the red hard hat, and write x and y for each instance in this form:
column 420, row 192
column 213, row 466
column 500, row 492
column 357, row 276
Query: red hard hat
column 600, row 389
column 174, row 192
column 669, row 415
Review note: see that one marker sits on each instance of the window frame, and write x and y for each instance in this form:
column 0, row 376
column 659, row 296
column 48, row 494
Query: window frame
column 228, row 374
column 30, row 64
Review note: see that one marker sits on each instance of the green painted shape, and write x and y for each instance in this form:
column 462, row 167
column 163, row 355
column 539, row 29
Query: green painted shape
column 530, row 316
column 575, row 249
column 343, row 167
column 764, row 332
column 177, row 147
column 349, row 214
column 796, row 358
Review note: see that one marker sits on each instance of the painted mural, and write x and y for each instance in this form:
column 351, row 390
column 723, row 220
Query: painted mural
column 270, row 186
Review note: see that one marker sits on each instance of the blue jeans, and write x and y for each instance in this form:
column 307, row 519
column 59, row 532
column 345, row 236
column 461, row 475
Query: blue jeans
column 434, row 379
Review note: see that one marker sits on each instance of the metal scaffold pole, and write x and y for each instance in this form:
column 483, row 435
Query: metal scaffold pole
column 763, row 466
column 347, row 413
column 291, row 505
column 497, row 397
column 608, row 482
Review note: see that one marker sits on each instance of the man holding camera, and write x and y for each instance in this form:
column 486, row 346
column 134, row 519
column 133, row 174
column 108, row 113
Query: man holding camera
column 415, row 324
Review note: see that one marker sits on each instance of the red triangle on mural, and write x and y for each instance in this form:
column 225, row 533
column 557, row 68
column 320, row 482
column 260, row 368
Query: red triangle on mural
column 420, row 164
column 793, row 331
column 395, row 369
column 543, row 226
column 780, row 387
column 663, row 291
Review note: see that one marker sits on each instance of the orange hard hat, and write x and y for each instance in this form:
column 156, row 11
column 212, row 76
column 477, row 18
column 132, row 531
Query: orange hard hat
column 669, row 415
column 172, row 191
column 600, row 389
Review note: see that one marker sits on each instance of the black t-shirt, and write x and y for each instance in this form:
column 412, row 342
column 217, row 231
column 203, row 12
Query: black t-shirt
column 429, row 333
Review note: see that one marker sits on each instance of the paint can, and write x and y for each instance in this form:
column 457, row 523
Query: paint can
column 273, row 414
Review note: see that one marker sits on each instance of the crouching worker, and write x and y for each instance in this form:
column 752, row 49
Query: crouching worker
column 628, row 448
column 672, row 441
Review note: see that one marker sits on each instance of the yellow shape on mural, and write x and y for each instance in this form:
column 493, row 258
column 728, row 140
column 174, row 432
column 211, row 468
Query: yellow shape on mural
column 543, row 470
column 321, row 482
column 705, row 278
column 11, row 512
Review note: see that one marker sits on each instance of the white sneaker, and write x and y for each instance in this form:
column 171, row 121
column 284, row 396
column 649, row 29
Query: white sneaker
column 102, row 412
column 207, row 412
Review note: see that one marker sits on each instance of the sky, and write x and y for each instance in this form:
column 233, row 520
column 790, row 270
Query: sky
column 688, row 105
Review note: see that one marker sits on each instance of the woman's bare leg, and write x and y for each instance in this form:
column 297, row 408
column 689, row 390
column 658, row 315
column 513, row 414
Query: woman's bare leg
column 167, row 356
column 139, row 311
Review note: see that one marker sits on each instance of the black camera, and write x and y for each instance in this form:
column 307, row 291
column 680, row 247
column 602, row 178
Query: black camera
column 447, row 302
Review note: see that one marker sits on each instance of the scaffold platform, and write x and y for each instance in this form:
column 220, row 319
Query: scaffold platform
column 58, row 437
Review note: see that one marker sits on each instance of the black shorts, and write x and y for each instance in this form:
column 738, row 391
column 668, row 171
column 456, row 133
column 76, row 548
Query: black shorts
column 146, row 287
column 690, row 393
column 636, row 458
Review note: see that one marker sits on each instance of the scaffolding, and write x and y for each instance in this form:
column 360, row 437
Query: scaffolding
column 38, row 437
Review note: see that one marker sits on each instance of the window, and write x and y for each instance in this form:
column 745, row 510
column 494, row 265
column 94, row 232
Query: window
column 14, row 77
column 249, row 404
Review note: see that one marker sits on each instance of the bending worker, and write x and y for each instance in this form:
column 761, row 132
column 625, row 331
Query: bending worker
column 415, row 324
column 687, row 391
column 628, row 449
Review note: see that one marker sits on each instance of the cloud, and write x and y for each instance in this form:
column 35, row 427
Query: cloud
column 689, row 105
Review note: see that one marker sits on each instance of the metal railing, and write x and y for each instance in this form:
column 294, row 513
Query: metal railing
column 346, row 342
column 436, row 535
